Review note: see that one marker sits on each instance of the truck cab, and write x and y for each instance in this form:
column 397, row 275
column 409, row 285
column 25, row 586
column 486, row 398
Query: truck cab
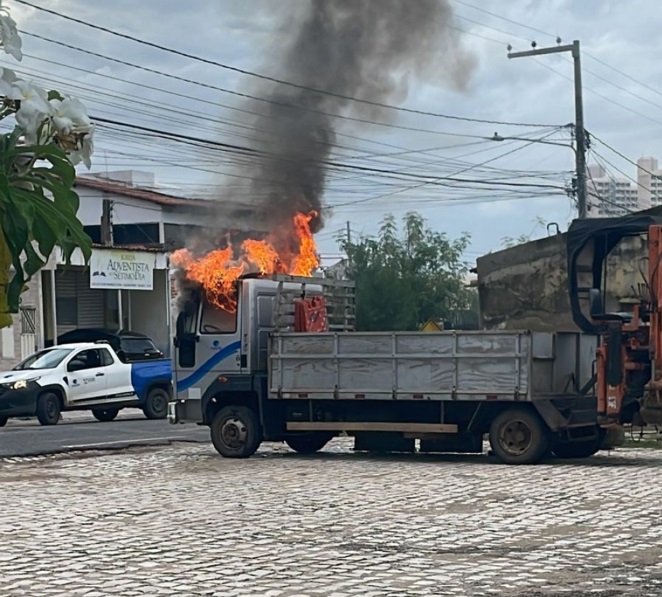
column 219, row 352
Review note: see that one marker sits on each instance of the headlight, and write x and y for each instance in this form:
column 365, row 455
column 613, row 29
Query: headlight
column 22, row 383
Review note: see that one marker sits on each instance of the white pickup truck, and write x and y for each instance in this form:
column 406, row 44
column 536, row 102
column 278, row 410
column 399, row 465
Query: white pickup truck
column 84, row 376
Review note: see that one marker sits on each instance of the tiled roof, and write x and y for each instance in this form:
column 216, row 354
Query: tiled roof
column 142, row 194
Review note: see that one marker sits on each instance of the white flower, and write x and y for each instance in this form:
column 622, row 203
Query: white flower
column 10, row 40
column 83, row 153
column 7, row 77
column 34, row 108
column 69, row 116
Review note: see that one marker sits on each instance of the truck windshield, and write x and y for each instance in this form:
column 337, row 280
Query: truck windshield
column 44, row 359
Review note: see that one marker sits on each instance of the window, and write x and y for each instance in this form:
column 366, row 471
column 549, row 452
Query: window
column 138, row 345
column 106, row 358
column 217, row 321
column 44, row 359
column 89, row 359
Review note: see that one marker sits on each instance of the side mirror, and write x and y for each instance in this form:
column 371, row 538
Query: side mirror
column 75, row 366
column 595, row 303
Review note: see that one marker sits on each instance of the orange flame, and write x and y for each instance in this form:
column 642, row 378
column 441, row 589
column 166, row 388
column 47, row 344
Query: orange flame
column 218, row 270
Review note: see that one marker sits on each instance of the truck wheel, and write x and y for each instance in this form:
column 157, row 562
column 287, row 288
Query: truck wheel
column 156, row 404
column 308, row 443
column 235, row 432
column 105, row 414
column 48, row 408
column 519, row 436
column 3, row 421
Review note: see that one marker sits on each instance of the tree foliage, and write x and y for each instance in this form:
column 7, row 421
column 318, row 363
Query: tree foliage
column 37, row 212
column 38, row 206
column 405, row 276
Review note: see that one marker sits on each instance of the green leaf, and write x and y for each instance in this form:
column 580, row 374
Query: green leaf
column 52, row 94
column 37, row 205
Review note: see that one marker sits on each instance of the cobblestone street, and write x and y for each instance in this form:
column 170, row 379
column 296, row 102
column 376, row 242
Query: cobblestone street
column 180, row 520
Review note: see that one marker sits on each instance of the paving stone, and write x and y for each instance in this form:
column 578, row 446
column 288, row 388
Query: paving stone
column 182, row 521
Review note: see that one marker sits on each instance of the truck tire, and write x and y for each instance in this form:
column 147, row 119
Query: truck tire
column 519, row 436
column 3, row 421
column 105, row 414
column 308, row 443
column 235, row 432
column 156, row 404
column 48, row 409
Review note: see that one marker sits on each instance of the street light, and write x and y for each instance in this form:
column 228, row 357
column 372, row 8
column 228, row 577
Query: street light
column 497, row 137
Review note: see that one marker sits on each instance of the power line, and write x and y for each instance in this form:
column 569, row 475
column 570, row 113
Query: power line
column 266, row 77
column 603, row 63
column 436, row 180
column 238, row 124
column 505, row 18
column 635, row 181
column 294, row 107
column 604, row 199
column 250, row 151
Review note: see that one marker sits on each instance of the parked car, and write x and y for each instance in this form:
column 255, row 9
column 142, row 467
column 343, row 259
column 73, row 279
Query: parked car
column 84, row 376
column 129, row 346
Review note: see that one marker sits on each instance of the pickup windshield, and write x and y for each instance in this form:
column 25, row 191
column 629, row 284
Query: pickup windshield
column 44, row 359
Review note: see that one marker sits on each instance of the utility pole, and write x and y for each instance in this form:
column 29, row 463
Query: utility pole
column 580, row 133
column 106, row 222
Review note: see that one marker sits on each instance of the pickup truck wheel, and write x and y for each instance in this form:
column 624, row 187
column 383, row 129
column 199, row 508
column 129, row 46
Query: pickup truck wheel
column 235, row 432
column 156, row 404
column 105, row 414
column 308, row 443
column 3, row 421
column 519, row 436
column 48, row 409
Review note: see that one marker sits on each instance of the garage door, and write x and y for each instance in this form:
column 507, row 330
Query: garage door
column 78, row 305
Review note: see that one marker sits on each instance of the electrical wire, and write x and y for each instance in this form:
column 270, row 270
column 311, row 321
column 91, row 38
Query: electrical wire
column 266, row 77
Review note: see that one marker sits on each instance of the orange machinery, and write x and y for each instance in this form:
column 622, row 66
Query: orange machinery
column 628, row 366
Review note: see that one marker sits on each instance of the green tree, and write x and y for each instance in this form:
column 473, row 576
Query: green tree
column 406, row 276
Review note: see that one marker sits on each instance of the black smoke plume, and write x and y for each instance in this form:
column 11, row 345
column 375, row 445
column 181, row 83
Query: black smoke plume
column 365, row 49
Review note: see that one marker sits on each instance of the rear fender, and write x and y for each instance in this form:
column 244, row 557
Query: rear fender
column 146, row 375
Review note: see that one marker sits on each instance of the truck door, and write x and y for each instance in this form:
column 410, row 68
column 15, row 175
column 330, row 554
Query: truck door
column 220, row 339
column 87, row 374
column 207, row 345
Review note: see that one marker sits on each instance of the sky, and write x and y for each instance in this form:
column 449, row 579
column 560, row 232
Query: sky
column 411, row 155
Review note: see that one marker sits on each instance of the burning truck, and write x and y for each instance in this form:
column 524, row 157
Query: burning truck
column 264, row 351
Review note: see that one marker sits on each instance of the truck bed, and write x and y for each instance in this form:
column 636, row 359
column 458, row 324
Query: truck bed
column 405, row 365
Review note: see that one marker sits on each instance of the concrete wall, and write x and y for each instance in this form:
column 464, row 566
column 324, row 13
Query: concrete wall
column 526, row 287
column 11, row 338
column 150, row 311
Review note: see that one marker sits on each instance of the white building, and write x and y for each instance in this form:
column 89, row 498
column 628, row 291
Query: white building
column 609, row 196
column 146, row 226
column 649, row 179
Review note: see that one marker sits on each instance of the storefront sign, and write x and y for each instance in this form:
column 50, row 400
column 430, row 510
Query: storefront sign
column 122, row 270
